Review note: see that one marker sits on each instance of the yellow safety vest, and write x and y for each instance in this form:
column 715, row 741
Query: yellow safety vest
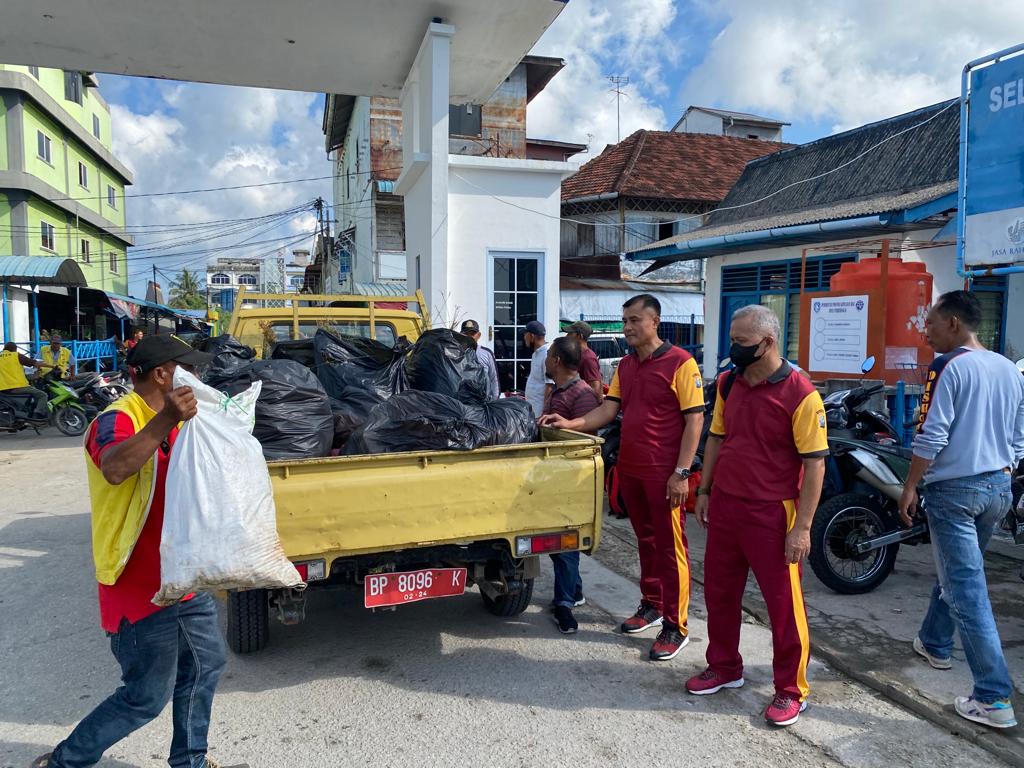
column 12, row 374
column 119, row 512
column 63, row 358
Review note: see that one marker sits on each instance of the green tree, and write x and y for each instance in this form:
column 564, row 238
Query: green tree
column 187, row 292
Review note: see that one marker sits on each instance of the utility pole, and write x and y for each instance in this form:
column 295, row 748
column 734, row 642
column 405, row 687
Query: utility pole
column 618, row 83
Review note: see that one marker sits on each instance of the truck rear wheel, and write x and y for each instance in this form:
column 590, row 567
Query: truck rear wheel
column 512, row 604
column 248, row 621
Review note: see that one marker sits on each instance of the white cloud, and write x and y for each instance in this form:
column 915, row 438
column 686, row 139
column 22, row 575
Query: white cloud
column 202, row 136
column 598, row 38
column 845, row 62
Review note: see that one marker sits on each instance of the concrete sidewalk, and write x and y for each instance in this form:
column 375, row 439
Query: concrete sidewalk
column 868, row 637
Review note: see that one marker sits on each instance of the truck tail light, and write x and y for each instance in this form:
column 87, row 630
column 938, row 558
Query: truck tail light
column 312, row 570
column 546, row 542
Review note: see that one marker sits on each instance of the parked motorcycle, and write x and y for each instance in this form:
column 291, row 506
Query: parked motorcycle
column 99, row 389
column 67, row 412
column 857, row 532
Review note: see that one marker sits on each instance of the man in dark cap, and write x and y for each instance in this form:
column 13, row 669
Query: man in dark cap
column 538, row 385
column 485, row 356
column 165, row 654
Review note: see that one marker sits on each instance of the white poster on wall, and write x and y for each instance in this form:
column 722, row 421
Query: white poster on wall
column 839, row 333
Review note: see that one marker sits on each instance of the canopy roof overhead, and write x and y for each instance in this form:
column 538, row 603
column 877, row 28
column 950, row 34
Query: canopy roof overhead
column 41, row 270
column 333, row 46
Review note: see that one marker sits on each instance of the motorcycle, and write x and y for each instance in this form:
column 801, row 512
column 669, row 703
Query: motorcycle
column 67, row 412
column 857, row 532
column 99, row 389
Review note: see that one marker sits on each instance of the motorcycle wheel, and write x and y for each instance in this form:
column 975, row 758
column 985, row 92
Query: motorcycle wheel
column 71, row 421
column 839, row 524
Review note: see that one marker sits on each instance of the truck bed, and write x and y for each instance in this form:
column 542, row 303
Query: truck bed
column 340, row 507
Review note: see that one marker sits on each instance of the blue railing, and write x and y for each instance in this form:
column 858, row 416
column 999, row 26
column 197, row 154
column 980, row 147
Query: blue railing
column 90, row 355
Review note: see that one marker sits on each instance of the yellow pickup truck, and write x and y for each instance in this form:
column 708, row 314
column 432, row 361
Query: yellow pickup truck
column 405, row 527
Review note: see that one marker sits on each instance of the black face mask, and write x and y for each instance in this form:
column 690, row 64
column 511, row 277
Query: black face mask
column 742, row 357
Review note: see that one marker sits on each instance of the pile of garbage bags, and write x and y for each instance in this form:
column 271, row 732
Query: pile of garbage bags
column 352, row 395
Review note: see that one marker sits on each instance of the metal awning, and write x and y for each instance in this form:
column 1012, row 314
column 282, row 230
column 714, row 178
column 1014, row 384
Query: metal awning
column 41, row 270
column 128, row 306
column 382, row 288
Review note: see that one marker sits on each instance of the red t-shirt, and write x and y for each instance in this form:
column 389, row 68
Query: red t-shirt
column 590, row 366
column 131, row 597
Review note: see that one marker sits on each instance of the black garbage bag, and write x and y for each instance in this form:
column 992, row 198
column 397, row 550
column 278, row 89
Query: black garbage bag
column 509, row 421
column 420, row 421
column 444, row 361
column 351, row 411
column 299, row 350
column 355, row 362
column 293, row 413
column 229, row 354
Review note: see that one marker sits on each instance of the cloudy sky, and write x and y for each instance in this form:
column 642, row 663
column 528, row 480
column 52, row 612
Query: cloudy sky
column 823, row 67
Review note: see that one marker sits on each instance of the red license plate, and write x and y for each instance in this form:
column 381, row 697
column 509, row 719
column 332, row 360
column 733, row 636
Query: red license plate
column 385, row 589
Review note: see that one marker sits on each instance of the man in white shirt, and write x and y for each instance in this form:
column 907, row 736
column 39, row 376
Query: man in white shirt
column 538, row 385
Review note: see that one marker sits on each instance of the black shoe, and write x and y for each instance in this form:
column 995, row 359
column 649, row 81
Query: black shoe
column 580, row 600
column 211, row 763
column 564, row 619
column 43, row 761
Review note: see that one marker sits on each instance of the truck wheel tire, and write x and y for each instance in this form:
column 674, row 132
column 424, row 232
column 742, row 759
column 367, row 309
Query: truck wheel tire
column 511, row 604
column 248, row 621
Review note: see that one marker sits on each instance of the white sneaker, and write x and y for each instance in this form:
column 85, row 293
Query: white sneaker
column 936, row 661
column 998, row 714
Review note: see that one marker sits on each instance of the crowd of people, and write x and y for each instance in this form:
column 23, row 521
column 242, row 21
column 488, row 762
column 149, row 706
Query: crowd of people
column 763, row 468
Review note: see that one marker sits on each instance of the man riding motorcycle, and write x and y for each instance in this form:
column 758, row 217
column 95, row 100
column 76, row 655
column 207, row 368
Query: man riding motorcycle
column 14, row 382
column 58, row 356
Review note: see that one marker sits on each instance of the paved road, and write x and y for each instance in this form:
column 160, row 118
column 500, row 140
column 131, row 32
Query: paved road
column 439, row 683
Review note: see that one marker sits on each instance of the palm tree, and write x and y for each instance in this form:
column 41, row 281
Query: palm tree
column 187, row 292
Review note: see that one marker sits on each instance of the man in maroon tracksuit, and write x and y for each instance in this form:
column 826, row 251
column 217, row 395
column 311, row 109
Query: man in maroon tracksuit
column 659, row 388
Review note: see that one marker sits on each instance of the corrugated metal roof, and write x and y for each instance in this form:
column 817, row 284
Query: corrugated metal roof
column 41, row 270
column 744, row 116
column 382, row 288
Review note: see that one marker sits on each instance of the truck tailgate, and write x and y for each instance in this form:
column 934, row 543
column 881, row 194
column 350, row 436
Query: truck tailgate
column 360, row 504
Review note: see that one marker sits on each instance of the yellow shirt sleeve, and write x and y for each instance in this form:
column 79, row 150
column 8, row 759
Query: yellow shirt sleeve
column 689, row 387
column 809, row 431
column 614, row 390
column 718, row 418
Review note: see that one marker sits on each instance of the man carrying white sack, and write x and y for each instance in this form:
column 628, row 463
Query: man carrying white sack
column 173, row 653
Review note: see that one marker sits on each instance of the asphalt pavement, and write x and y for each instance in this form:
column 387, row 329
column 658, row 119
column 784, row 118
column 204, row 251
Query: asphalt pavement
column 438, row 683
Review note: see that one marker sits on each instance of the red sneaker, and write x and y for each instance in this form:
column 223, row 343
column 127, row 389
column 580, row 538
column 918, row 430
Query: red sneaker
column 669, row 643
column 709, row 682
column 646, row 616
column 784, row 710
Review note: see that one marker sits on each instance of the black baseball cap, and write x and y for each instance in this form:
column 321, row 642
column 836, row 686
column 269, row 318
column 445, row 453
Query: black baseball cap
column 152, row 351
column 470, row 326
column 536, row 328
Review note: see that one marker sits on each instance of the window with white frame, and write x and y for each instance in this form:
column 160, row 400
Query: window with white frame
column 111, row 196
column 34, row 71
column 247, row 280
column 47, row 235
column 83, row 175
column 73, row 87
column 220, row 279
column 112, row 259
column 96, row 126
column 44, row 147
column 85, row 252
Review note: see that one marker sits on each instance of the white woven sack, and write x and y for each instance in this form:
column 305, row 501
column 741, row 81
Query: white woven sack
column 220, row 524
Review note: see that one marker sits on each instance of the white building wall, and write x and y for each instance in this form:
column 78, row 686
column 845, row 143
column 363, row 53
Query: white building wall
column 746, row 131
column 701, row 122
column 479, row 224
column 353, row 196
column 19, row 325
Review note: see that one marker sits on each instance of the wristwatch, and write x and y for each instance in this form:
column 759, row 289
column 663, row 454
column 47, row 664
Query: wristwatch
column 682, row 472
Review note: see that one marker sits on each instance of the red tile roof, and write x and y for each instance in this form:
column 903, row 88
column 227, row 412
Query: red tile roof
column 668, row 166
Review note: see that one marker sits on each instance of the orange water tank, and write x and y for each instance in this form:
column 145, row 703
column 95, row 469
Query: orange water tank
column 908, row 297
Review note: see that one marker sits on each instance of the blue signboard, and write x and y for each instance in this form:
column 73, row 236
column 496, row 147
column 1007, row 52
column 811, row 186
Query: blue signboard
column 227, row 299
column 994, row 172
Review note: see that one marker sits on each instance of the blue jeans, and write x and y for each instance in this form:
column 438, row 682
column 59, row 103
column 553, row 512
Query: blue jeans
column 177, row 653
column 568, row 583
column 961, row 516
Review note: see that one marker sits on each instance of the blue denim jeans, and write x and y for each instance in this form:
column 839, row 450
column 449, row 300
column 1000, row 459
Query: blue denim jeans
column 177, row 653
column 961, row 516
column 568, row 583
